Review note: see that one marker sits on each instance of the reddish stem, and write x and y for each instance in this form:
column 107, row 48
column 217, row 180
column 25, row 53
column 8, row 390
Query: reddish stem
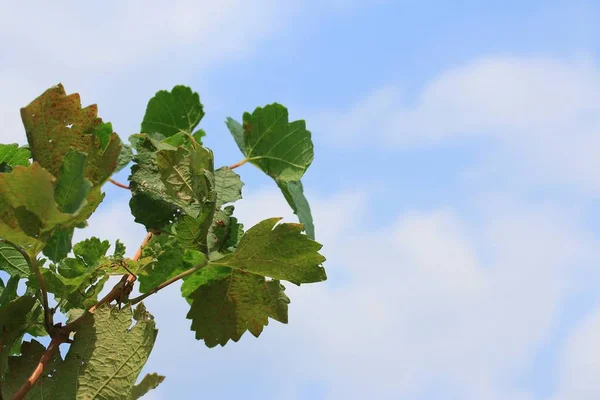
column 121, row 185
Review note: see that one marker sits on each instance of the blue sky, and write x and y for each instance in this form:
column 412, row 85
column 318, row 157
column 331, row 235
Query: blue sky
column 455, row 185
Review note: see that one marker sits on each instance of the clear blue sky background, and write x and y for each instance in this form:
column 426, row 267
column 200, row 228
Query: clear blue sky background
column 455, row 185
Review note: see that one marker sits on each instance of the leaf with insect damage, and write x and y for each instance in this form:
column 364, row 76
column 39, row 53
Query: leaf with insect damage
column 173, row 189
column 225, row 309
column 56, row 124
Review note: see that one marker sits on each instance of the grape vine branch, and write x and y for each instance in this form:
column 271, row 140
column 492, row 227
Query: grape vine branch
column 232, row 277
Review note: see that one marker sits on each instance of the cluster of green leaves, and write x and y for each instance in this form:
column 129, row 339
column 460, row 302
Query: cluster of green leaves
column 232, row 278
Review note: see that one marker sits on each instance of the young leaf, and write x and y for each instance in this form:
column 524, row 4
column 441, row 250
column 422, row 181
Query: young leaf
column 282, row 149
column 56, row 124
column 12, row 155
column 283, row 253
column 172, row 112
column 294, row 195
column 224, row 310
column 12, row 261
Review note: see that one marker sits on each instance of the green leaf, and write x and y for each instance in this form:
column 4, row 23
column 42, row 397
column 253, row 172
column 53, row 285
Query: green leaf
column 187, row 176
column 170, row 259
column 56, row 124
column 150, row 382
column 204, row 276
column 9, row 292
column 103, row 362
column 77, row 281
column 12, row 155
column 12, row 261
column 91, row 250
column 228, row 185
column 27, row 206
column 224, row 310
column 72, row 188
column 237, row 131
column 294, row 195
column 13, row 324
column 282, row 149
column 282, row 253
column 125, row 157
column 59, row 244
column 172, row 112
column 170, row 182
column 120, row 249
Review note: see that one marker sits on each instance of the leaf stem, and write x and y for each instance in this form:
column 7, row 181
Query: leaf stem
column 121, row 185
column 48, row 314
column 39, row 369
column 238, row 164
column 168, row 282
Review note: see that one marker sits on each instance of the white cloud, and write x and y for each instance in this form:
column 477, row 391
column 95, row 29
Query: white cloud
column 541, row 115
column 580, row 364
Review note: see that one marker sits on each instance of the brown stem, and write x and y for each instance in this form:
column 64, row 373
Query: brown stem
column 61, row 335
column 167, row 283
column 121, row 185
column 115, row 293
column 238, row 164
column 39, row 369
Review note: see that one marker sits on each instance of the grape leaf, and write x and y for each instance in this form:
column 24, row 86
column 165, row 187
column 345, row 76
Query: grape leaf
column 170, row 259
column 55, row 123
column 294, row 195
column 69, row 280
column 237, row 131
column 228, row 186
column 282, row 149
column 12, row 261
column 169, row 113
column 13, row 321
column 27, row 206
column 150, row 382
column 282, row 143
column 103, row 362
column 282, row 253
column 170, row 182
column 224, row 310
column 59, row 244
column 125, row 157
column 9, row 292
column 12, row 155
column 72, row 188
